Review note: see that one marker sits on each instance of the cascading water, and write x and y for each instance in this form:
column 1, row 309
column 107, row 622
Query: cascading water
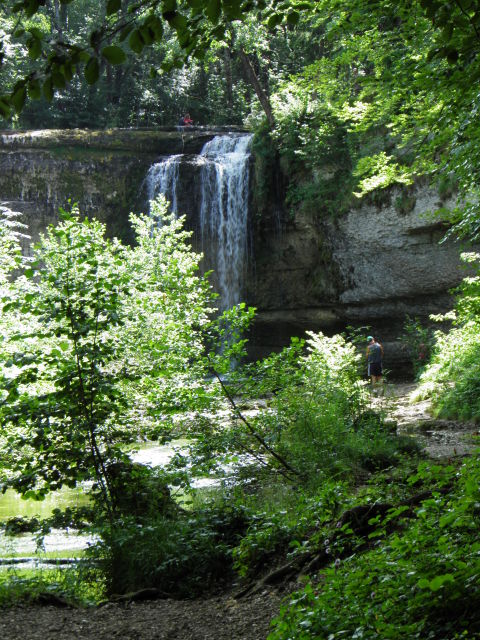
column 219, row 188
column 162, row 178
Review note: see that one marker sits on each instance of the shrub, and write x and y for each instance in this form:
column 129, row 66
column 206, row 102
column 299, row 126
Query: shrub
column 452, row 378
column 182, row 556
column 286, row 529
column 412, row 584
column 326, row 428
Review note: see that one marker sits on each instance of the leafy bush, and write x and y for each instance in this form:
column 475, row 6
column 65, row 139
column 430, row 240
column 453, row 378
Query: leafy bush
column 326, row 429
column 99, row 340
column 411, row 584
column 278, row 531
column 312, row 143
column 452, row 378
column 182, row 556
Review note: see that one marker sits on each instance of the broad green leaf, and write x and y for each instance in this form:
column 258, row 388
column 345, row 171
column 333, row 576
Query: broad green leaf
column 47, row 88
column 114, row 54
column 155, row 25
column 147, row 35
column 18, row 98
column 58, row 79
column 136, row 41
column 92, row 70
column 34, row 46
column 293, row 17
column 169, row 5
column 233, row 9
column 437, row 583
column 67, row 70
column 5, row 109
column 35, row 89
column 274, row 20
column 213, row 10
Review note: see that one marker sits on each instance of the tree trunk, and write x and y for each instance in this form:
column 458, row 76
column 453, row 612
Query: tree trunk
column 227, row 66
column 261, row 94
column 57, row 18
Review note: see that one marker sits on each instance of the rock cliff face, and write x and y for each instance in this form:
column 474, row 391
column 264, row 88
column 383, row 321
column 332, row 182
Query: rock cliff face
column 100, row 170
column 371, row 267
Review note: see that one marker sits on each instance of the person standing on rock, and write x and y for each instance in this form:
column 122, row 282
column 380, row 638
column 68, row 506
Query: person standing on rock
column 374, row 361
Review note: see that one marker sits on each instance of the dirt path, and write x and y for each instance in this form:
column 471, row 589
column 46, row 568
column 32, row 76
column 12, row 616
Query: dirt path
column 440, row 438
column 221, row 618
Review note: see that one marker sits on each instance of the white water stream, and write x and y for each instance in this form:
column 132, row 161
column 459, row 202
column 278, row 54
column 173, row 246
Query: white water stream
column 221, row 203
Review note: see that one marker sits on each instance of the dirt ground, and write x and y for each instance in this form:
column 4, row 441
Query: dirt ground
column 220, row 618
column 440, row 438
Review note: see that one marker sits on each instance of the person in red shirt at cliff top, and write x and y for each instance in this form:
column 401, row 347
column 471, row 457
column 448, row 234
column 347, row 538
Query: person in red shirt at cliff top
column 186, row 121
column 374, row 361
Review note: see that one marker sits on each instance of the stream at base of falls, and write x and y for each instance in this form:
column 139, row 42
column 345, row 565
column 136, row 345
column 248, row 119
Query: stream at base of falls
column 60, row 543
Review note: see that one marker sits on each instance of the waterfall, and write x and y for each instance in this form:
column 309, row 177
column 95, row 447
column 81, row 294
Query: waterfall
column 162, row 178
column 218, row 195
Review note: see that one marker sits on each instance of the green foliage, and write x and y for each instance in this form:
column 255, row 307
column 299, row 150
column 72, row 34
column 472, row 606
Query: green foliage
column 48, row 586
column 325, row 429
column 286, row 531
column 100, row 339
column 420, row 341
column 183, row 557
column 429, row 567
column 10, row 251
column 60, row 394
column 452, row 378
column 313, row 150
column 316, row 424
column 379, row 172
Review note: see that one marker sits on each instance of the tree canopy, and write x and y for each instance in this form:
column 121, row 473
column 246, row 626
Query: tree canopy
column 380, row 91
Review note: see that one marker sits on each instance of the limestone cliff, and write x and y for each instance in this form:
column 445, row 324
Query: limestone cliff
column 102, row 171
column 371, row 266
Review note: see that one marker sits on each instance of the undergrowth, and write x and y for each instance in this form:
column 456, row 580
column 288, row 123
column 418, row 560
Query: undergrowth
column 421, row 581
column 452, row 377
